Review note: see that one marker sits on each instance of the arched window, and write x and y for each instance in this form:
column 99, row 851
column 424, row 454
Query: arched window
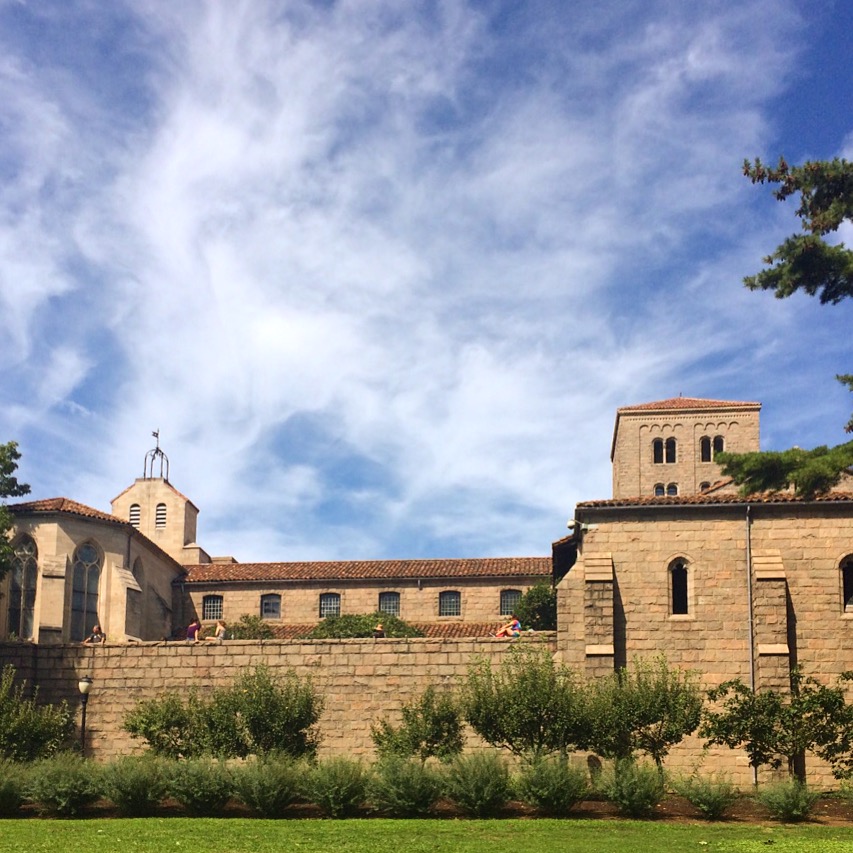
column 509, row 601
column 670, row 451
column 211, row 607
column 678, row 587
column 22, row 588
column 719, row 444
column 671, row 489
column 271, row 606
column 847, row 583
column 660, row 490
column 330, row 604
column 657, row 451
column 85, row 580
column 705, row 449
column 389, row 602
column 134, row 515
column 703, row 487
column 160, row 516
column 450, row 603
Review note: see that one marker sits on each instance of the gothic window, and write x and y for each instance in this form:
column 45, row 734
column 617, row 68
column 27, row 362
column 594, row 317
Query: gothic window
column 719, row 444
column 22, row 588
column 211, row 607
column 271, row 606
column 509, row 601
column 389, row 602
column 678, row 587
column 330, row 604
column 847, row 582
column 670, row 451
column 705, row 449
column 160, row 516
column 657, row 451
column 450, row 603
column 660, row 490
column 85, row 580
column 671, row 489
column 134, row 515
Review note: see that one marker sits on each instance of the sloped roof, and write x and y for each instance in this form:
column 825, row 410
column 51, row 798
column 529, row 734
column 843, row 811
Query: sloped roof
column 486, row 567
column 680, row 403
column 432, row 630
column 163, row 480
column 64, row 505
column 718, row 499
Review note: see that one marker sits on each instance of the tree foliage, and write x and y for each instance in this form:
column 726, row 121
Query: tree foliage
column 803, row 262
column 361, row 625
column 9, row 488
column 538, row 608
column 250, row 628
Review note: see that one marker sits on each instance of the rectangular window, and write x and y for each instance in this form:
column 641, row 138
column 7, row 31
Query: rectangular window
column 330, row 604
column 271, row 606
column 389, row 602
column 450, row 603
column 509, row 601
column 211, row 607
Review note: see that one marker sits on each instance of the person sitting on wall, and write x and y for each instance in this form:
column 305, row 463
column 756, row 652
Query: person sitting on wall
column 218, row 635
column 193, row 631
column 378, row 631
column 97, row 636
column 511, row 629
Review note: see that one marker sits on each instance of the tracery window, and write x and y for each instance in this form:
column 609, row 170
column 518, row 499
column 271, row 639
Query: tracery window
column 85, row 581
column 22, row 588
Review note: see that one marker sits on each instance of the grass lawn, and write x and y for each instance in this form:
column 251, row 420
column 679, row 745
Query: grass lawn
column 238, row 835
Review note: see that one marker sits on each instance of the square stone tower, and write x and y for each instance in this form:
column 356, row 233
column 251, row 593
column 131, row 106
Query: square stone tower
column 668, row 447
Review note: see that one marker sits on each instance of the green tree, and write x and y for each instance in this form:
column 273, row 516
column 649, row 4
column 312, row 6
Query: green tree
column 9, row 488
column 803, row 262
column 529, row 705
column 356, row 625
column 538, row 608
column 776, row 728
column 250, row 628
column 647, row 709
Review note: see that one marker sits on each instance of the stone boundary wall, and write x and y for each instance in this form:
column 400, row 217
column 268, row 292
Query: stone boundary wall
column 360, row 680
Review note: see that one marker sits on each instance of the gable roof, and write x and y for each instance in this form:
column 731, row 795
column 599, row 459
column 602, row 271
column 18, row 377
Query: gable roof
column 709, row 498
column 487, row 567
column 66, row 506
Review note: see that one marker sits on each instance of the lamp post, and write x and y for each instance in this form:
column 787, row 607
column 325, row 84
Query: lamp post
column 84, row 685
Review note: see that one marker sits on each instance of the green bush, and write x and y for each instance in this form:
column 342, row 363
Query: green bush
column 12, row 786
column 27, row 730
column 63, row 785
column 538, row 608
column 250, row 628
column 403, row 787
column 361, row 625
column 338, row 786
column 635, row 789
column 201, row 785
column 135, row 784
column 791, row 801
column 552, row 785
column 164, row 723
column 711, row 795
column 268, row 785
column 479, row 783
column 431, row 728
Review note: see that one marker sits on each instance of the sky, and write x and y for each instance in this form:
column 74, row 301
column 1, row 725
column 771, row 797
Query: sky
column 381, row 273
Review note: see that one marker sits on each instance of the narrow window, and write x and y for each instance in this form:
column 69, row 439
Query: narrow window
column 678, row 587
column 85, row 580
column 211, row 607
column 671, row 489
column 670, row 450
column 847, row 582
column 509, row 601
column 657, row 451
column 22, row 589
column 719, row 444
column 271, row 606
column 160, row 516
column 134, row 514
column 450, row 603
column 660, row 490
column 330, row 604
column 705, row 448
column 389, row 602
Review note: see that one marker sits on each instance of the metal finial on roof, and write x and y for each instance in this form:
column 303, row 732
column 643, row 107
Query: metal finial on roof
column 152, row 457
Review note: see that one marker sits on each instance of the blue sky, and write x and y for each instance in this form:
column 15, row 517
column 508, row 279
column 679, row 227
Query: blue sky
column 381, row 272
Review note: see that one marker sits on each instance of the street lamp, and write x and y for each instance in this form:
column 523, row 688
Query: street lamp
column 84, row 685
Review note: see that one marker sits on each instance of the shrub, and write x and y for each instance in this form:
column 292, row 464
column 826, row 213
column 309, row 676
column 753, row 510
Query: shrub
column 431, row 727
column 201, row 785
column 12, row 785
column 552, row 785
column 404, row 788
column 63, row 784
column 635, row 789
column 790, row 801
column 338, row 786
column 479, row 783
column 164, row 723
column 29, row 731
column 712, row 796
column 250, row 628
column 135, row 784
column 537, row 608
column 268, row 785
column 361, row 625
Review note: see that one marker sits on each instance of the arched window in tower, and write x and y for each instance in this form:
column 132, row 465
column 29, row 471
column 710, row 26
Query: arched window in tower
column 671, row 490
column 160, row 516
column 703, row 487
column 847, row 583
column 719, row 444
column 657, row 451
column 660, row 490
column 670, row 450
column 134, row 515
column 678, row 587
column 85, row 580
column 22, row 588
column 705, row 449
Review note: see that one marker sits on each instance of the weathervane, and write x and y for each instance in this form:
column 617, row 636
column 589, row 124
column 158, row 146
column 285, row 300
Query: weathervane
column 154, row 455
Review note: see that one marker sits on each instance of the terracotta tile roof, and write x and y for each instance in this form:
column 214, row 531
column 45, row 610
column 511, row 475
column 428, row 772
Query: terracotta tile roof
column 435, row 630
column 63, row 505
column 486, row 567
column 678, row 403
column 717, row 499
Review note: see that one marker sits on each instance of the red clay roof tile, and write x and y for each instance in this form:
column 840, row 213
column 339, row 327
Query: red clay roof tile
column 678, row 403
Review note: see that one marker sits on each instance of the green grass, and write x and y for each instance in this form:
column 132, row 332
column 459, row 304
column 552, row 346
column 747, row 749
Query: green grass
column 239, row 835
